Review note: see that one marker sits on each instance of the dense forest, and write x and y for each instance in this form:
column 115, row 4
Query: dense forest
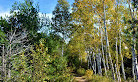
column 88, row 41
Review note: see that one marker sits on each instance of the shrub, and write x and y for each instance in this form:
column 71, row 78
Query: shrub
column 109, row 73
column 89, row 73
column 81, row 71
column 98, row 78
column 40, row 66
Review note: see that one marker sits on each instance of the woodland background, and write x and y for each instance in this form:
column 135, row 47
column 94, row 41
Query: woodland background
column 95, row 39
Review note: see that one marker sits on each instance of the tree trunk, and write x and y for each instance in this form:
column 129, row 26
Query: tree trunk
column 9, row 69
column 134, row 70
column 3, row 64
column 134, row 60
column 110, row 58
column 99, row 57
column 116, row 72
column 103, row 58
column 63, row 45
column 105, row 37
column 122, row 61
column 107, row 46
column 117, row 67
column 62, row 50
column 117, row 24
column 89, row 60
column 94, row 65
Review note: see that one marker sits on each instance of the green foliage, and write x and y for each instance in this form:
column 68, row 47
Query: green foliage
column 4, row 23
column 59, row 70
column 43, row 61
column 2, row 33
column 2, row 37
column 20, row 69
column 54, row 43
column 81, row 71
column 109, row 73
column 40, row 66
column 62, row 19
column 73, row 60
column 26, row 15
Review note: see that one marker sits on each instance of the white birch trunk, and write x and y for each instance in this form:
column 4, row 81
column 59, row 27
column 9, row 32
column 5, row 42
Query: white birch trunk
column 116, row 72
column 134, row 59
column 62, row 50
column 3, row 64
column 116, row 61
column 110, row 58
column 89, row 60
column 105, row 37
column 122, row 61
column 9, row 70
column 103, row 58
column 94, row 65
column 100, row 69
column 117, row 67
column 107, row 46
column 134, row 70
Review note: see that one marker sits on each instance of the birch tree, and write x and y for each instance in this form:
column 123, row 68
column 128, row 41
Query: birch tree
column 62, row 20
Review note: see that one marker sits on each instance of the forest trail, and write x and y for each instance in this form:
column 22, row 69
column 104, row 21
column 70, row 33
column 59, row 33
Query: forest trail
column 80, row 79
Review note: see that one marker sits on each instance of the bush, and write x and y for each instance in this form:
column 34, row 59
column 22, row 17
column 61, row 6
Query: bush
column 40, row 66
column 98, row 78
column 89, row 73
column 109, row 73
column 81, row 71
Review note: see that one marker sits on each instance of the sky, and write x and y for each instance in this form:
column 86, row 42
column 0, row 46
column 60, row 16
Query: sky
column 46, row 6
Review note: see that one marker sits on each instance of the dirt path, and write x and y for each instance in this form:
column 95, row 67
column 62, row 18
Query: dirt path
column 80, row 79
